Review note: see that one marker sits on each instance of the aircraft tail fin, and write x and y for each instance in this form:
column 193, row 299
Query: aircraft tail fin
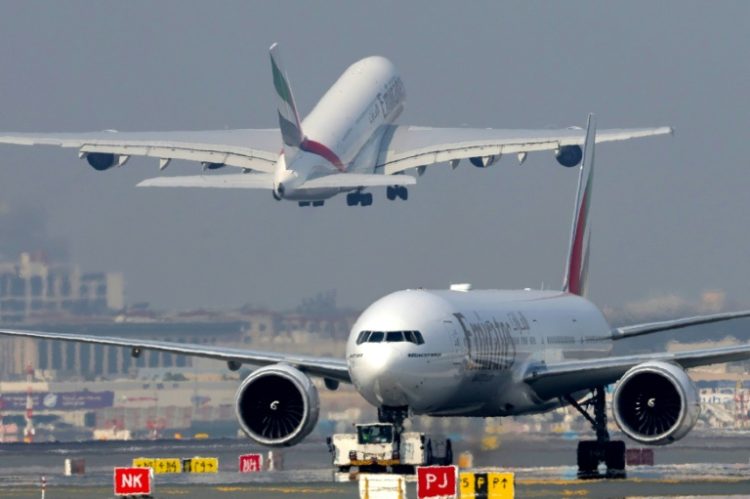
column 289, row 122
column 576, row 268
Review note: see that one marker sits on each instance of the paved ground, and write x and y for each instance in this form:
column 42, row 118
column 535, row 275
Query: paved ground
column 698, row 465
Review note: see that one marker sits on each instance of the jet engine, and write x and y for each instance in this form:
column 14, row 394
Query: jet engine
column 484, row 161
column 277, row 405
column 569, row 156
column 101, row 160
column 656, row 403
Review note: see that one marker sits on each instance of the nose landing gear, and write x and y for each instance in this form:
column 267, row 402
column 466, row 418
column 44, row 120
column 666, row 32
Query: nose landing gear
column 602, row 450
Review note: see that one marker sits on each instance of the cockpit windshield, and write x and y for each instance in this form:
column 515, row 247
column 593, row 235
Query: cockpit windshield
column 375, row 434
column 390, row 337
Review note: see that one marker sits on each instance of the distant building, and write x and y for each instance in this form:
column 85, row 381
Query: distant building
column 32, row 289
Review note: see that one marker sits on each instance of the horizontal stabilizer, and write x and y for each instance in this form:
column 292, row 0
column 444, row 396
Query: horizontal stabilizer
column 356, row 180
column 232, row 181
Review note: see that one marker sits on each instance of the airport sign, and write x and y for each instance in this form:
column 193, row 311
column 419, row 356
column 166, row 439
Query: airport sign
column 133, row 481
column 200, row 465
column 159, row 465
column 251, row 463
column 435, row 482
column 487, row 485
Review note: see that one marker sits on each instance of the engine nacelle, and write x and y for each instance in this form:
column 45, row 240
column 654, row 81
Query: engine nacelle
column 102, row 160
column 277, row 405
column 656, row 403
column 569, row 156
column 484, row 161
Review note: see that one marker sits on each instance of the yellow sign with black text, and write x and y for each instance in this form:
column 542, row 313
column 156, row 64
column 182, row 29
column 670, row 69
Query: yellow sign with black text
column 490, row 485
column 200, row 465
column 160, row 466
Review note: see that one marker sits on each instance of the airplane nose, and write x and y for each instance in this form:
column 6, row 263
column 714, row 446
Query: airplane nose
column 382, row 377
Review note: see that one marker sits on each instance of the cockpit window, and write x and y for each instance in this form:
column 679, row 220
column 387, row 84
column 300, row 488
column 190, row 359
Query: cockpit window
column 376, row 337
column 362, row 337
column 390, row 337
column 394, row 336
column 418, row 337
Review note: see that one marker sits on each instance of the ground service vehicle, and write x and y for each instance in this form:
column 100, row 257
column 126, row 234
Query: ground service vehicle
column 381, row 447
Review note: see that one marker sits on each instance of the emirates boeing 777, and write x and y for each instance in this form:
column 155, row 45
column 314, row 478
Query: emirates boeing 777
column 348, row 143
column 488, row 353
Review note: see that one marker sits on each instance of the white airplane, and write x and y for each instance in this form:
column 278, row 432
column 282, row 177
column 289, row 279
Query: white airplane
column 460, row 352
column 348, row 143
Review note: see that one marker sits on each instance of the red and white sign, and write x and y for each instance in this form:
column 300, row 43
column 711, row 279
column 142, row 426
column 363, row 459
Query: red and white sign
column 437, row 481
column 133, row 481
column 251, row 463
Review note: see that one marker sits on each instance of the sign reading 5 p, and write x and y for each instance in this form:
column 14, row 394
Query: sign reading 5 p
column 491, row 485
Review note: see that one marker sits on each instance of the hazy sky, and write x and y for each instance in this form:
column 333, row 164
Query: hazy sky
column 669, row 214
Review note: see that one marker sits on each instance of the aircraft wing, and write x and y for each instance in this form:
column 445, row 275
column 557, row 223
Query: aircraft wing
column 556, row 380
column 243, row 148
column 231, row 181
column 412, row 146
column 331, row 368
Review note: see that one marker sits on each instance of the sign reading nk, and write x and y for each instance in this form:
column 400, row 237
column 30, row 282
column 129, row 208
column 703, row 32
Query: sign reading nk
column 436, row 482
column 133, row 481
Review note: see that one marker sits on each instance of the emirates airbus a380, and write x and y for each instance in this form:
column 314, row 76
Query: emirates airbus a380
column 460, row 352
column 348, row 143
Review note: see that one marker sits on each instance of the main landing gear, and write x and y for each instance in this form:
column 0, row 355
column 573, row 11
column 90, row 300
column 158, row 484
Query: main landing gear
column 308, row 203
column 359, row 197
column 395, row 192
column 602, row 450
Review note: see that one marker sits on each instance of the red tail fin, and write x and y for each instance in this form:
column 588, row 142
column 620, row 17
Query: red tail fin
column 576, row 271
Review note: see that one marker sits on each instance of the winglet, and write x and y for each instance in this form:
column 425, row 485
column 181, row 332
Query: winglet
column 289, row 122
column 576, row 270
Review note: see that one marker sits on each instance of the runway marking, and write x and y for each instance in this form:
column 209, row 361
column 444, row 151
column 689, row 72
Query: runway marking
column 282, row 490
column 559, row 481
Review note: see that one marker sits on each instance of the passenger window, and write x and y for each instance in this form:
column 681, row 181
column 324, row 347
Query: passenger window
column 418, row 336
column 376, row 337
column 362, row 337
column 394, row 336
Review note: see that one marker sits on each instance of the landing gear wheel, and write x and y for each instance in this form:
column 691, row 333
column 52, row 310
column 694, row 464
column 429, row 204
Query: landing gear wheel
column 304, row 203
column 403, row 193
column 318, row 203
column 614, row 458
column 602, row 450
column 587, row 459
column 366, row 199
column 391, row 193
column 352, row 199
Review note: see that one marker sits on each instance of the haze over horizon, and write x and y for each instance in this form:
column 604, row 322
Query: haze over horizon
column 667, row 212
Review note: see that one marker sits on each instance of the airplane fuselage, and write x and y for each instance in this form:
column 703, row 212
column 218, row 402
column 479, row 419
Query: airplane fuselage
column 344, row 130
column 477, row 345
